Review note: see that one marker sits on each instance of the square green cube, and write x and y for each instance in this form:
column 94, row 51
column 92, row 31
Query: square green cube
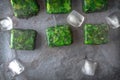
column 25, row 8
column 23, row 39
column 94, row 5
column 58, row 6
column 96, row 34
column 59, row 36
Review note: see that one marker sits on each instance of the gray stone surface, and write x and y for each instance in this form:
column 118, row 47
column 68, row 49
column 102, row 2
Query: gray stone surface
column 61, row 63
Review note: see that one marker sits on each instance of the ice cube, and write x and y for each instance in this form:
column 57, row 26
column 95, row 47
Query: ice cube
column 16, row 67
column 89, row 67
column 114, row 20
column 75, row 19
column 6, row 24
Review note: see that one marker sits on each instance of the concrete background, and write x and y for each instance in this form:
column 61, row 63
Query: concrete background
column 60, row 63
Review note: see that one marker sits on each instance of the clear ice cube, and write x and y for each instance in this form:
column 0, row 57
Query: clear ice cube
column 89, row 68
column 75, row 19
column 114, row 20
column 16, row 67
column 6, row 24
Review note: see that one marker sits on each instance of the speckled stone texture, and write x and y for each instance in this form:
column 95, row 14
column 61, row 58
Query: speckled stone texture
column 59, row 35
column 58, row 6
column 25, row 8
column 61, row 63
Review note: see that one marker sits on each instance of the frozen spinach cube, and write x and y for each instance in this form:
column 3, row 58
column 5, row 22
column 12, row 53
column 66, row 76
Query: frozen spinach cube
column 94, row 5
column 58, row 6
column 25, row 8
column 59, row 36
column 23, row 39
column 96, row 34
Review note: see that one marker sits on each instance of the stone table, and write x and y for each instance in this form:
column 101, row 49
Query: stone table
column 61, row 63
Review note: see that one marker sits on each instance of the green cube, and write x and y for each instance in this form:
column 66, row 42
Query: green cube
column 96, row 34
column 25, row 8
column 94, row 5
column 23, row 39
column 59, row 36
column 58, row 6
